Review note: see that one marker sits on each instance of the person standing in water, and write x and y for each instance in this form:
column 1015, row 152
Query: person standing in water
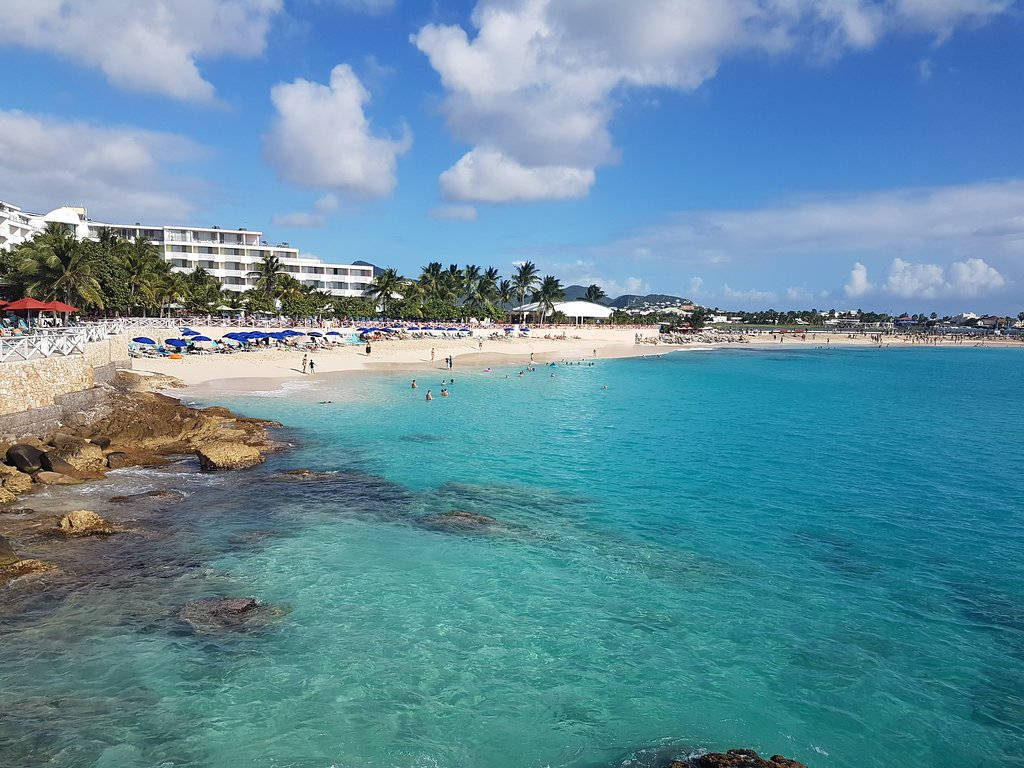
column 305, row 363
column 414, row 385
column 429, row 396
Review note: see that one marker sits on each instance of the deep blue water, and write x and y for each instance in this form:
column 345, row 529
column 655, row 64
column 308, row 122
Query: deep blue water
column 811, row 552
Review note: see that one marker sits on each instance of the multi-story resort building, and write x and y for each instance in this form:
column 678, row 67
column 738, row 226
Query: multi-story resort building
column 227, row 254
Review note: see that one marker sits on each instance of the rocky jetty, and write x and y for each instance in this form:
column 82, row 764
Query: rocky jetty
column 229, row 614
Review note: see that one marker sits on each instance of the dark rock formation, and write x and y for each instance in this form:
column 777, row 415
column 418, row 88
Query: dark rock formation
column 26, row 458
column 163, row 493
column 229, row 614
column 736, row 758
column 458, row 521
column 53, row 463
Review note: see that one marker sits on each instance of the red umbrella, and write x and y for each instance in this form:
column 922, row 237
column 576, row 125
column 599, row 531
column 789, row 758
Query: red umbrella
column 26, row 304
column 60, row 306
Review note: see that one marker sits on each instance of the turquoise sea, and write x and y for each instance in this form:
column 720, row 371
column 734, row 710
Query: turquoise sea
column 818, row 553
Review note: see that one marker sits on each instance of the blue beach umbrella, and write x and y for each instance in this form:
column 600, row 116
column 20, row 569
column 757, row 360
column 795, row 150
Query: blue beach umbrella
column 235, row 336
column 314, row 333
column 280, row 336
column 414, row 328
column 292, row 332
column 201, row 338
column 333, row 333
column 189, row 332
column 143, row 340
column 179, row 343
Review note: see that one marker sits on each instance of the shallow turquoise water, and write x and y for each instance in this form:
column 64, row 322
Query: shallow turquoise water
column 812, row 552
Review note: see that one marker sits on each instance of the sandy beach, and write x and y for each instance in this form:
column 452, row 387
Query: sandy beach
column 267, row 367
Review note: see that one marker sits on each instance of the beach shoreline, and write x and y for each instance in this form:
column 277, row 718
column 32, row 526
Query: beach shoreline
column 205, row 376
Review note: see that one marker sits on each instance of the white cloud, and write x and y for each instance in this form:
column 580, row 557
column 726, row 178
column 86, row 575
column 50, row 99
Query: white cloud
column 489, row 176
column 535, row 89
column 695, row 286
column 321, row 138
column 298, row 219
column 924, row 281
column 859, row 283
column 454, row 213
column 970, row 278
column 119, row 173
column 142, row 45
column 974, row 278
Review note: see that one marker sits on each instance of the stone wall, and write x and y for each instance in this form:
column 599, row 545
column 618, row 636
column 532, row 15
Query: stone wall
column 38, row 395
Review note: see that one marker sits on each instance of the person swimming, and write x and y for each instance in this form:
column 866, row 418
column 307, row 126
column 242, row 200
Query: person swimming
column 487, row 370
column 414, row 384
column 429, row 396
column 444, row 392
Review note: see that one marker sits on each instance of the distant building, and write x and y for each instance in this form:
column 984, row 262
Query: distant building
column 227, row 254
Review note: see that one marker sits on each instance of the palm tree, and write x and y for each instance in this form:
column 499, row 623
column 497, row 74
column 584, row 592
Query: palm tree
column 141, row 267
column 431, row 279
column 269, row 274
column 525, row 280
column 56, row 265
column 506, row 292
column 549, row 291
column 383, row 288
column 595, row 293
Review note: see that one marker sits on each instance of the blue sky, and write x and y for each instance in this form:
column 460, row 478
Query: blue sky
column 746, row 153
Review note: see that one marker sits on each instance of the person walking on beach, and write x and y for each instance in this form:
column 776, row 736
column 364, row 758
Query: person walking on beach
column 432, row 352
column 311, row 366
column 367, row 349
column 305, row 363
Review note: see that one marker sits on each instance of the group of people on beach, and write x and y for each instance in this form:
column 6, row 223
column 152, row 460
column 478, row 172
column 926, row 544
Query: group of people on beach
column 307, row 362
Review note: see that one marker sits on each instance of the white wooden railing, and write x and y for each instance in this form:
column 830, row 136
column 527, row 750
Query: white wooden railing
column 37, row 343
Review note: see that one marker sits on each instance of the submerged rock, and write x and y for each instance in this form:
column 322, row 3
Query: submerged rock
column 223, row 454
column 84, row 522
column 229, row 614
column 7, row 554
column 459, row 521
column 27, row 458
column 736, row 758
column 305, row 473
column 54, row 478
column 162, row 493
column 26, row 567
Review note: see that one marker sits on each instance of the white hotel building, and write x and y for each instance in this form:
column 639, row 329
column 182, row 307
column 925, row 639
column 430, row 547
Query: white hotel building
column 227, row 254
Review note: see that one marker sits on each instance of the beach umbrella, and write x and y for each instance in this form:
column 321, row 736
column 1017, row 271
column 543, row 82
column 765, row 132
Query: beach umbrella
column 60, row 306
column 179, row 343
column 143, row 340
column 234, row 336
column 26, row 305
column 292, row 332
column 414, row 328
column 230, row 341
column 333, row 333
column 189, row 332
column 201, row 338
column 314, row 333
column 464, row 330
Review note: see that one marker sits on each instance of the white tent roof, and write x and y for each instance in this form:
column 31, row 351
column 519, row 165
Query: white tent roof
column 573, row 309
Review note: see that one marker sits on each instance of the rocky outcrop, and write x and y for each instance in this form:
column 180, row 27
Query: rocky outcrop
column 122, row 459
column 13, row 567
column 13, row 480
column 84, row 522
column 6, row 496
column 26, row 458
column 229, row 614
column 77, row 452
column 225, row 454
column 54, row 478
column 736, row 758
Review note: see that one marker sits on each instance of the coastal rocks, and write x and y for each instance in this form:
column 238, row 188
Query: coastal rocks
column 122, row 459
column 459, row 521
column 736, row 758
column 223, row 454
column 229, row 614
column 305, row 473
column 6, row 496
column 13, row 567
column 26, row 458
column 54, row 478
column 80, row 454
column 53, row 463
column 84, row 522
column 13, row 480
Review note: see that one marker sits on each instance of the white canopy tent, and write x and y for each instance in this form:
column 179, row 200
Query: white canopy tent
column 577, row 311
